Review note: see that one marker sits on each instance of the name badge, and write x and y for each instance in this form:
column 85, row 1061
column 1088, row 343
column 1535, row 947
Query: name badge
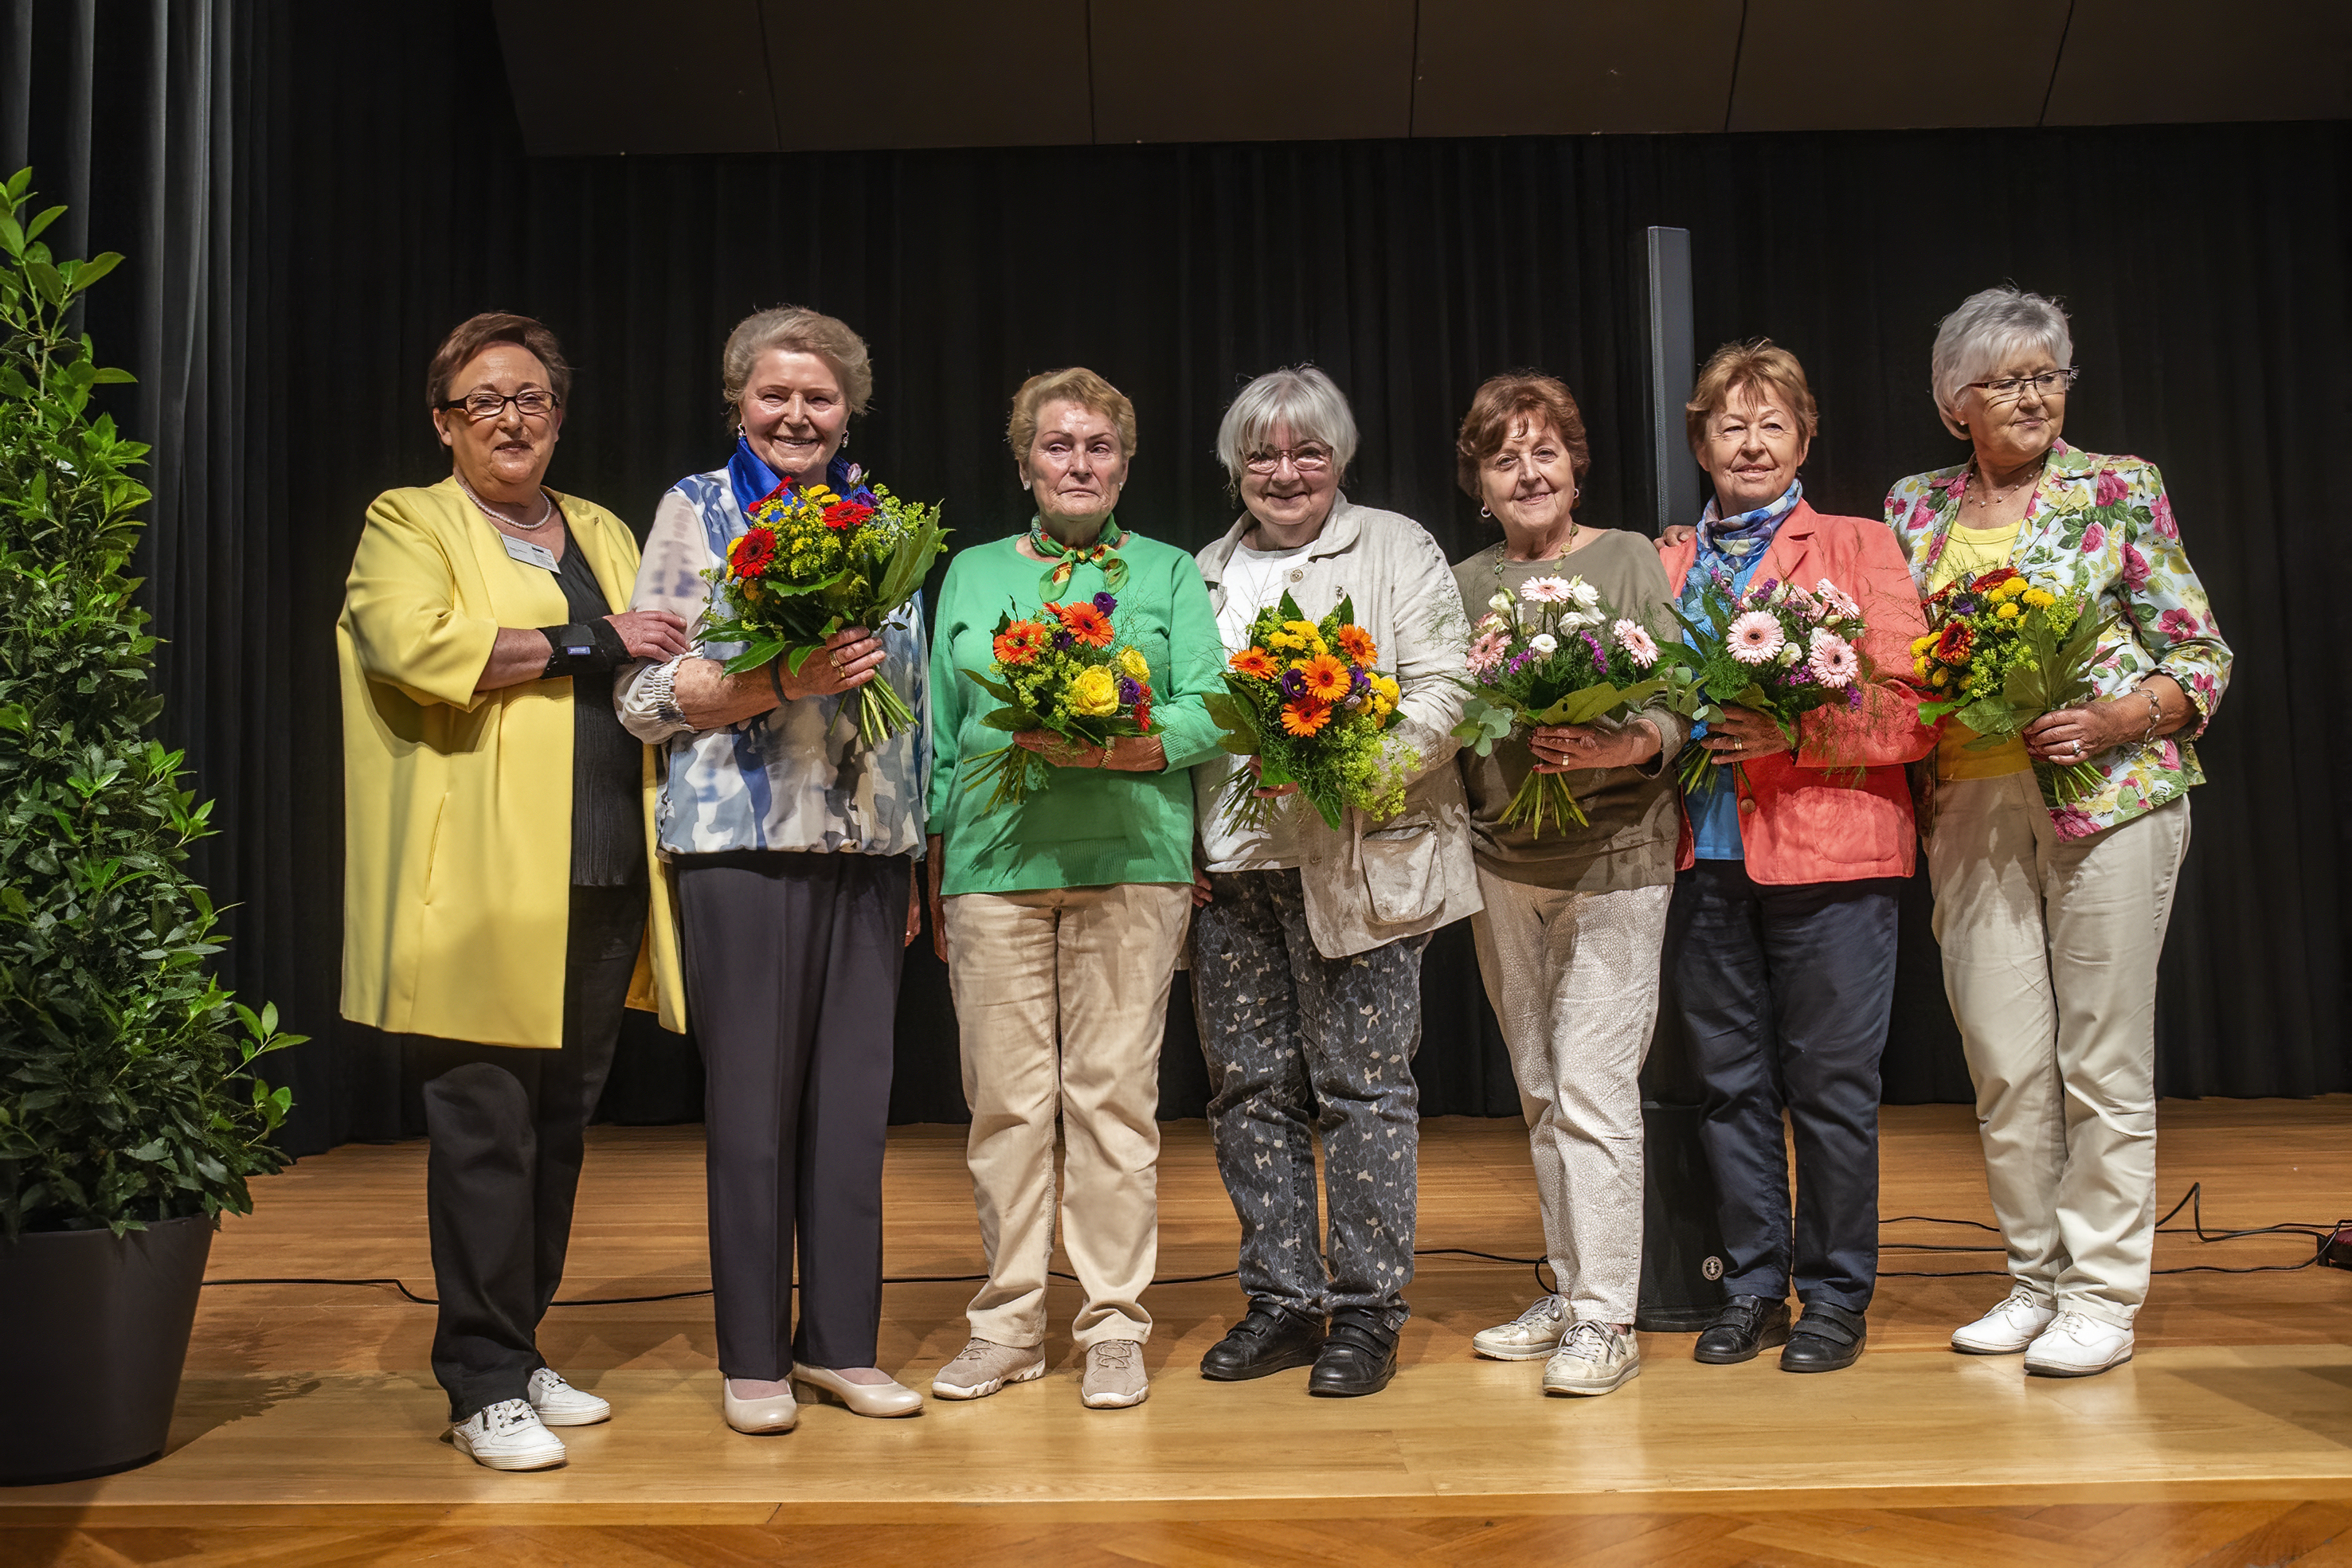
column 529, row 553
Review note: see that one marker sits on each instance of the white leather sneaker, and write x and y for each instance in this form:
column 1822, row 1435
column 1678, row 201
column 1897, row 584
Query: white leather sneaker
column 1593, row 1358
column 508, row 1435
column 2008, row 1328
column 1533, row 1336
column 560, row 1405
column 2077, row 1345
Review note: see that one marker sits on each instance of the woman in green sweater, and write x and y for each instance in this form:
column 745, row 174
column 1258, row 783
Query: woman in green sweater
column 1060, row 916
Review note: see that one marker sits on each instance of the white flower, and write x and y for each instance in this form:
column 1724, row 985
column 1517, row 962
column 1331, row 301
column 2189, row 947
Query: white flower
column 1577, row 619
column 1635, row 639
column 1548, row 590
column 1789, row 654
column 1586, row 596
column 1756, row 637
column 1833, row 661
column 1544, row 644
column 1486, row 623
column 1501, row 602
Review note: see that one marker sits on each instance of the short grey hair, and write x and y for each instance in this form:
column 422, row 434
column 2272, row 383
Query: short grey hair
column 1300, row 396
column 797, row 330
column 1989, row 328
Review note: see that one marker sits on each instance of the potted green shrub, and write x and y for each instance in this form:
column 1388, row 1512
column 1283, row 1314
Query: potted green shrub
column 129, row 1119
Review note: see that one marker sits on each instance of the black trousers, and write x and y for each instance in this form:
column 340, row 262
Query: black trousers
column 792, row 982
column 506, row 1125
column 1785, row 993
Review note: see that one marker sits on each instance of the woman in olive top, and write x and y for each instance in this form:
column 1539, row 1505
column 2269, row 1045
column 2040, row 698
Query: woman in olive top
column 1060, row 918
column 1569, row 938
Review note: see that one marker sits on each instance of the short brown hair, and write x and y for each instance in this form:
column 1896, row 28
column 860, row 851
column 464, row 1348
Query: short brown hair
column 796, row 329
column 1075, row 385
column 477, row 333
column 1502, row 403
column 1759, row 364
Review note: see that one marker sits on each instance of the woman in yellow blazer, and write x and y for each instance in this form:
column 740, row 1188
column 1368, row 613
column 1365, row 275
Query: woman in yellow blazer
column 496, row 878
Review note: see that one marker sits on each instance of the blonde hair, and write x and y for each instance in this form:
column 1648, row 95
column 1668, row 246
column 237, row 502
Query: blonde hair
column 797, row 330
column 1075, row 384
column 1761, row 366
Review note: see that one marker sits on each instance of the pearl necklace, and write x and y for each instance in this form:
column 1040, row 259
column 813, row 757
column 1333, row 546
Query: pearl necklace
column 2001, row 493
column 546, row 509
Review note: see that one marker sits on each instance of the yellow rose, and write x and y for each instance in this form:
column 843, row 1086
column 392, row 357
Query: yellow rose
column 1131, row 666
column 1095, row 693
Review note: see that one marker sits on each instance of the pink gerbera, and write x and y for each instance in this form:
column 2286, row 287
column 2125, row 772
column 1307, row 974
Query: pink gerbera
column 1832, row 660
column 1836, row 600
column 1632, row 637
column 1487, row 651
column 1757, row 638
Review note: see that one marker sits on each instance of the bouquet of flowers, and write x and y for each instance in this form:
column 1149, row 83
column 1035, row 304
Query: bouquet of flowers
column 1542, row 657
column 1780, row 649
column 813, row 562
column 1064, row 672
column 2001, row 653
column 1304, row 699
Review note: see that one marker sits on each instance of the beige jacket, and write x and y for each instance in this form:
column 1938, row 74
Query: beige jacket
column 1371, row 882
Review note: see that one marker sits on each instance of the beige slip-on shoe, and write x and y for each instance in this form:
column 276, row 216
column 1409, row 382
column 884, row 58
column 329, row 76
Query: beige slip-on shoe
column 863, row 1398
column 758, row 1417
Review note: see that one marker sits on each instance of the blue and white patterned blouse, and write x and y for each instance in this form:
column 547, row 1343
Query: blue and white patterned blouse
column 797, row 778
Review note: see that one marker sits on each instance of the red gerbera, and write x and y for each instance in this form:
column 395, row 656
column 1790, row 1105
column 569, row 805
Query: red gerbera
column 1083, row 622
column 1020, row 642
column 1953, row 644
column 750, row 555
column 1986, row 581
column 847, row 514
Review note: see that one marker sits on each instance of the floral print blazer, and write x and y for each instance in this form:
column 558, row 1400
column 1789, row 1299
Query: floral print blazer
column 2101, row 527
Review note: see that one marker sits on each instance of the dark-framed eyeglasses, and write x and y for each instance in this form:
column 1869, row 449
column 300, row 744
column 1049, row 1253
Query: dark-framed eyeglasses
column 2009, row 389
column 531, row 403
column 1312, row 458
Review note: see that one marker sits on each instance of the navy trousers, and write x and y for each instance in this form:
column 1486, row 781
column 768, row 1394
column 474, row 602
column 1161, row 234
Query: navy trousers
column 1785, row 993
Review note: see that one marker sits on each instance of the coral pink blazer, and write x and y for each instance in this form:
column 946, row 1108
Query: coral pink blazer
column 1805, row 817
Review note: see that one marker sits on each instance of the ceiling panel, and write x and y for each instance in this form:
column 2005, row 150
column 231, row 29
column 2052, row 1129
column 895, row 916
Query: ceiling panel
column 1823, row 65
column 1252, row 70
column 928, row 73
column 620, row 76
column 2138, row 61
column 1528, row 67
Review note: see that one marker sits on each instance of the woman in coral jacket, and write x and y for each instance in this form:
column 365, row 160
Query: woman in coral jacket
column 1780, row 936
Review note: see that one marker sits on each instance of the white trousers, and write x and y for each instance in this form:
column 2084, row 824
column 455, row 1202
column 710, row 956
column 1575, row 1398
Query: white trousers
column 1573, row 978
column 2050, row 952
column 1062, row 997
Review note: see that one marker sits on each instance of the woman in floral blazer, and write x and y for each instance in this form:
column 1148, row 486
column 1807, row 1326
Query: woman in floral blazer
column 2051, row 917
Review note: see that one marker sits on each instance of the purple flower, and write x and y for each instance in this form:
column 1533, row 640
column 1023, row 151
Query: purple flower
column 1800, row 676
column 1600, row 654
column 1358, row 682
column 1105, row 602
column 1129, row 692
column 1063, row 640
column 1293, row 685
column 1853, row 696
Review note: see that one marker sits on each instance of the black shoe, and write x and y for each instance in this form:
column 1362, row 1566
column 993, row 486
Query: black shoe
column 1359, row 1356
column 1825, row 1339
column 1746, row 1325
column 1270, row 1339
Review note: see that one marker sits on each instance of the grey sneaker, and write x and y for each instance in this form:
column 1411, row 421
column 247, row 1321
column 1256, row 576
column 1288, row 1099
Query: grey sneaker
column 1593, row 1358
column 984, row 1366
column 1531, row 1336
column 1113, row 1378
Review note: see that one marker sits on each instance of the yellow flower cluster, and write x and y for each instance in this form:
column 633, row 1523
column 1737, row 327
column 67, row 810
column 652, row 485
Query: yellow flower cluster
column 1299, row 636
column 1384, row 695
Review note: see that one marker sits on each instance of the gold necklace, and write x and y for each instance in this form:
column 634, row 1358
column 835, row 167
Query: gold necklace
column 1504, row 557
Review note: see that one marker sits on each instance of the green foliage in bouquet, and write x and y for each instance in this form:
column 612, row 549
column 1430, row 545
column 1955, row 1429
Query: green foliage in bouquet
column 125, row 1095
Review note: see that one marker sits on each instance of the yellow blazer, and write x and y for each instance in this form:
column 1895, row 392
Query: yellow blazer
column 457, row 804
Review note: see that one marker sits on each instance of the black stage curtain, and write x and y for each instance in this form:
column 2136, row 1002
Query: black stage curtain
column 385, row 196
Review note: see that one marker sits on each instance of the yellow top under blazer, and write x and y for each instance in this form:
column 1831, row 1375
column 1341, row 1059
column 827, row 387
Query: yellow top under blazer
column 457, row 804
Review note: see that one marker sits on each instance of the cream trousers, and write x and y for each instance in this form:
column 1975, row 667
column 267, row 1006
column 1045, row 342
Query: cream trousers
column 1062, row 996
column 2050, row 950
column 1573, row 978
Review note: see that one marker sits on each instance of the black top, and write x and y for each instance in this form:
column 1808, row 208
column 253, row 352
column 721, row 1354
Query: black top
column 608, row 824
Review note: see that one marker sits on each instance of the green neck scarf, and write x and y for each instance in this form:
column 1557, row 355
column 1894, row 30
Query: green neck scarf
column 1102, row 553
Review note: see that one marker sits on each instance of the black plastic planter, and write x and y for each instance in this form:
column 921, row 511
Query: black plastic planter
column 93, row 1332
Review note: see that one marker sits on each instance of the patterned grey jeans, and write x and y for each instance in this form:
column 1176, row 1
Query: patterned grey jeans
column 1290, row 1034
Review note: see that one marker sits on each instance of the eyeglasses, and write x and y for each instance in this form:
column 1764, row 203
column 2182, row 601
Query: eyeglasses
column 2009, row 389
column 1312, row 458
column 531, row 403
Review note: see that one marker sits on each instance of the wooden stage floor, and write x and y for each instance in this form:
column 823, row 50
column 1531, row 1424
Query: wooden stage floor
column 307, row 1421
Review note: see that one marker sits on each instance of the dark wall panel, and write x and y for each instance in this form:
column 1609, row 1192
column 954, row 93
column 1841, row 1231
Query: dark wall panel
column 1252, row 70
column 620, row 76
column 2141, row 61
column 1811, row 64
column 928, row 73
column 1537, row 68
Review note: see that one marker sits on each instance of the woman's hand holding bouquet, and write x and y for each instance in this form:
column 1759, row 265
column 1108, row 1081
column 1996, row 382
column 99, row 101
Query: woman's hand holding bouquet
column 1305, row 703
column 1069, row 692
column 1778, row 650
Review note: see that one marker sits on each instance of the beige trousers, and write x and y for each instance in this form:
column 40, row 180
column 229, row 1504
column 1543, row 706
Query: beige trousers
column 1573, row 978
column 1062, row 996
column 2050, row 950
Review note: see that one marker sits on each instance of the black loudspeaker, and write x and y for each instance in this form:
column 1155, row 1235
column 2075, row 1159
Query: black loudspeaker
column 1682, row 1247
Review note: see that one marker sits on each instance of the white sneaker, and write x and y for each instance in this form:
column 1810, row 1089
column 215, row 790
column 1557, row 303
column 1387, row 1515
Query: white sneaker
column 1593, row 1358
column 2077, row 1345
column 508, row 1435
column 1531, row 1336
column 560, row 1405
column 2008, row 1328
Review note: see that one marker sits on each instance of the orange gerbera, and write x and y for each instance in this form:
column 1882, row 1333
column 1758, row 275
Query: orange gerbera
column 1083, row 622
column 1021, row 641
column 1255, row 662
column 1358, row 645
column 1305, row 717
column 1325, row 677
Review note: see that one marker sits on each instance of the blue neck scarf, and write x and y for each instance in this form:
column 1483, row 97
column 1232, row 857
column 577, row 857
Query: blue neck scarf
column 754, row 481
column 1734, row 539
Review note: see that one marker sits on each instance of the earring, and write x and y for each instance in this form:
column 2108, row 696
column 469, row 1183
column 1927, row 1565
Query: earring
column 1485, row 513
column 844, row 439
